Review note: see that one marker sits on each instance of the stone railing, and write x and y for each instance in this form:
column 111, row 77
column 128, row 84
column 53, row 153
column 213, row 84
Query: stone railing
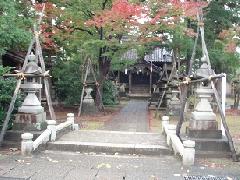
column 50, row 134
column 186, row 149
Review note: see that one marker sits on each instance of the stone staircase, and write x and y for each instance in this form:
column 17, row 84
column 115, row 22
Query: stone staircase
column 140, row 91
column 111, row 142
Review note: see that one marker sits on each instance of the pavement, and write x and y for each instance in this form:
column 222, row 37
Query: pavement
column 132, row 117
column 54, row 165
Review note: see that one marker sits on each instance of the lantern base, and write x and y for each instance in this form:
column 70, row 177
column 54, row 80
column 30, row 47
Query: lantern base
column 30, row 121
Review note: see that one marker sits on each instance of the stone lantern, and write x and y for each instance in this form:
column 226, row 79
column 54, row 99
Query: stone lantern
column 203, row 117
column 89, row 106
column 31, row 114
column 175, row 104
column 203, row 127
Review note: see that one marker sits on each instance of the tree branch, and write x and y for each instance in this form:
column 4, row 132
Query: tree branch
column 84, row 30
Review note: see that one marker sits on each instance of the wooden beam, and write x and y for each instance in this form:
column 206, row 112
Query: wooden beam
column 26, row 75
column 228, row 135
column 9, row 112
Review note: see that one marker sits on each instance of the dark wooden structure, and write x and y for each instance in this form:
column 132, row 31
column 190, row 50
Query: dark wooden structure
column 142, row 77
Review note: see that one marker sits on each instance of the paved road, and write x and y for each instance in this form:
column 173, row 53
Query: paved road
column 133, row 117
column 50, row 165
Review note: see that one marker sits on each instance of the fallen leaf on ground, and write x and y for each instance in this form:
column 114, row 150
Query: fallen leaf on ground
column 106, row 165
column 20, row 161
column 13, row 149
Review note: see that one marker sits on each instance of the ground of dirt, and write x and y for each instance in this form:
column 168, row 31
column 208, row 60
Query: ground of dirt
column 88, row 121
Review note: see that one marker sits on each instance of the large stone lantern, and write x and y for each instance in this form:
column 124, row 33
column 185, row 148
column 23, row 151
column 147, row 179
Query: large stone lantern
column 203, row 117
column 203, row 127
column 31, row 114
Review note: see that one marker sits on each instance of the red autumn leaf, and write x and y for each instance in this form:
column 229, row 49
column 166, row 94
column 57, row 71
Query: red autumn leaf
column 231, row 47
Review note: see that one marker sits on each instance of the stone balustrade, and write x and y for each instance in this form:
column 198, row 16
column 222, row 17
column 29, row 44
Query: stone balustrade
column 42, row 139
column 186, row 149
column 50, row 134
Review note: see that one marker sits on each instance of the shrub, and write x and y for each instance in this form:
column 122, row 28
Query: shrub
column 7, row 87
column 109, row 93
column 67, row 79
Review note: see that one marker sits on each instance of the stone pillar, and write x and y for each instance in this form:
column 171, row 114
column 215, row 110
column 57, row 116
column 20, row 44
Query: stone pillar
column 171, row 130
column 52, row 127
column 188, row 153
column 165, row 121
column 26, row 144
column 150, row 83
column 130, row 82
column 70, row 118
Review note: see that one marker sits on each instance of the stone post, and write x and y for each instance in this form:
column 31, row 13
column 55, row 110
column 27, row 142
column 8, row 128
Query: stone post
column 26, row 144
column 165, row 121
column 52, row 127
column 75, row 127
column 171, row 130
column 188, row 153
column 70, row 118
column 130, row 82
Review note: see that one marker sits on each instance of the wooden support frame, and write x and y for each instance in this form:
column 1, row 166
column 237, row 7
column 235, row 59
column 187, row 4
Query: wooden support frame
column 21, row 75
column 89, row 69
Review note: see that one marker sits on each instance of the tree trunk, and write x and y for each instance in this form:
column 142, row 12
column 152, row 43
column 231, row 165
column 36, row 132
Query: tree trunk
column 104, row 67
column 236, row 100
column 1, row 61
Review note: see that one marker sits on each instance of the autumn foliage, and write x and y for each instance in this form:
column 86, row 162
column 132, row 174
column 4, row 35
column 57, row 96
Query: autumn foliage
column 147, row 20
column 124, row 16
column 122, row 10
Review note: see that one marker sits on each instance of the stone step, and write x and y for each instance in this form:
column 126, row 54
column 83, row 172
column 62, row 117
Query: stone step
column 15, row 135
column 211, row 144
column 139, row 95
column 111, row 142
column 12, row 138
column 212, row 154
column 11, row 144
